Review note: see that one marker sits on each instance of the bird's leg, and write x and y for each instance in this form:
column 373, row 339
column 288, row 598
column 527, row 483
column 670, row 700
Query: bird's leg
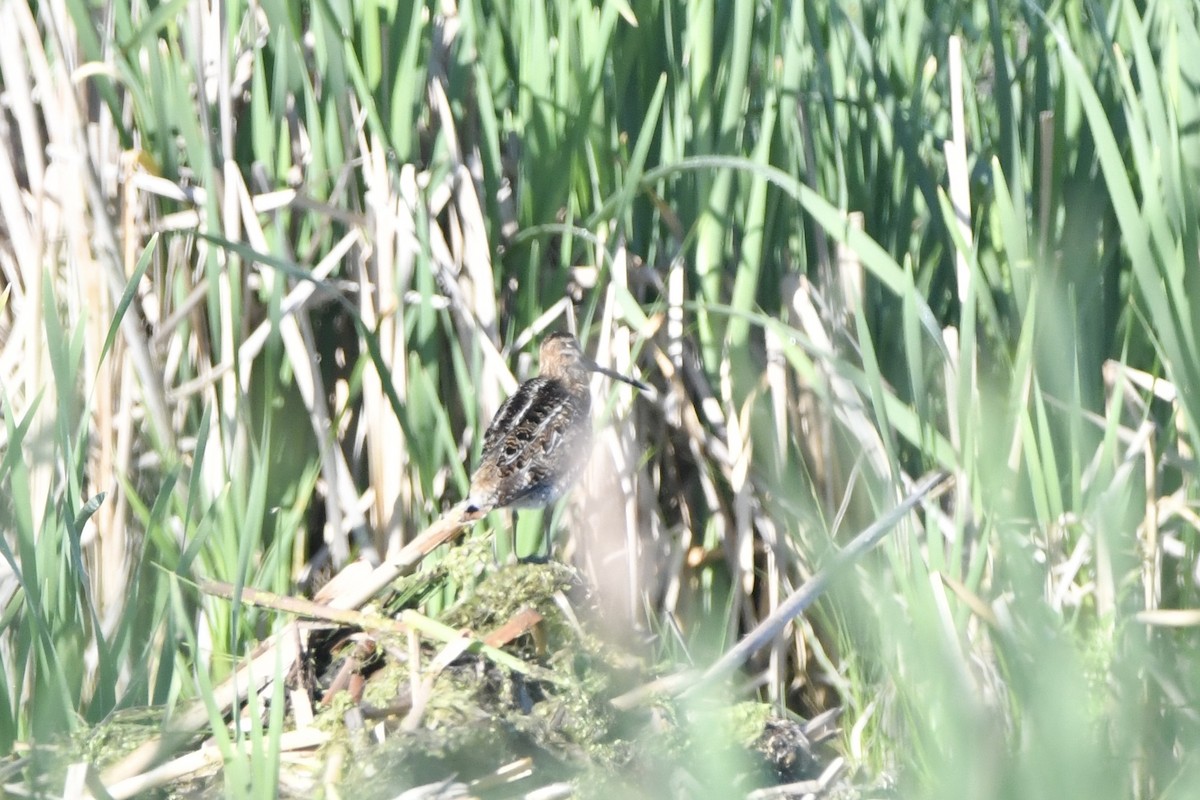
column 496, row 548
column 536, row 524
column 550, row 526
column 513, row 558
column 507, row 519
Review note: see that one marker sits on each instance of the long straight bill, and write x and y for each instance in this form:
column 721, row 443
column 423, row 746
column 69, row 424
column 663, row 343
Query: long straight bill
column 594, row 367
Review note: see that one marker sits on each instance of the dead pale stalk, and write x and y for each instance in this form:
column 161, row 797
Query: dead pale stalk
column 277, row 654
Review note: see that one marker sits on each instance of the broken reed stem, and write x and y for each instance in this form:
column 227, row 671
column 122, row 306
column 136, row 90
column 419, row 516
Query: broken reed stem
column 409, row 621
column 689, row 681
column 277, row 654
column 446, row 529
column 802, row 598
column 300, row 607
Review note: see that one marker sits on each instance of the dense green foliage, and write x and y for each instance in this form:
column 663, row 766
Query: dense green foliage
column 847, row 243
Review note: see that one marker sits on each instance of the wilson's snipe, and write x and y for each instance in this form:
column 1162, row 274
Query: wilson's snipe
column 539, row 441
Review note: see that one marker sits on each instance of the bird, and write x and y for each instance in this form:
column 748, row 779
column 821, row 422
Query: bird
column 539, row 441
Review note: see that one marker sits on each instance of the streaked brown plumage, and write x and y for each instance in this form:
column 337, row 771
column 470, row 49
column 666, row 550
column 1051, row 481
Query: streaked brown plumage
column 535, row 448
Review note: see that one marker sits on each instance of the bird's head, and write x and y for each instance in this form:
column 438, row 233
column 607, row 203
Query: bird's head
column 560, row 353
column 562, row 358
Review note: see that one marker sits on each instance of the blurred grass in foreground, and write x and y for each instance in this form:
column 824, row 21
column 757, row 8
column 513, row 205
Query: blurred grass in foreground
column 848, row 244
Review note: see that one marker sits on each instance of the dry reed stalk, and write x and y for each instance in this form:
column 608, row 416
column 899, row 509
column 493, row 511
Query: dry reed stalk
column 927, row 489
column 384, row 274
column 280, row 651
